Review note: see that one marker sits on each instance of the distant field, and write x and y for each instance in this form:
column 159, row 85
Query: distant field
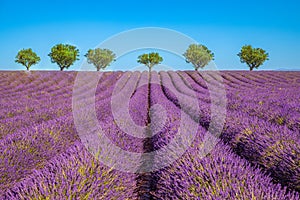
column 257, row 155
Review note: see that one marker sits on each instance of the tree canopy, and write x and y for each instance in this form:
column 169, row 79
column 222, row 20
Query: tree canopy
column 150, row 59
column 253, row 57
column 199, row 55
column 27, row 58
column 64, row 55
column 100, row 58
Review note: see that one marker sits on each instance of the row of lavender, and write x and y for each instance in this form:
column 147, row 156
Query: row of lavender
column 274, row 147
column 277, row 102
column 65, row 168
column 39, row 100
column 219, row 175
column 47, row 160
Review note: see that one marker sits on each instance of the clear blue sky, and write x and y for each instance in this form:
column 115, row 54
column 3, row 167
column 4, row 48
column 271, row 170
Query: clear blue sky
column 223, row 26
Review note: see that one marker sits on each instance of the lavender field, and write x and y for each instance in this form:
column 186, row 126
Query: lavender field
column 256, row 155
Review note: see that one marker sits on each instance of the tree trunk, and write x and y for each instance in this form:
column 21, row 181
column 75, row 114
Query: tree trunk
column 61, row 68
column 27, row 68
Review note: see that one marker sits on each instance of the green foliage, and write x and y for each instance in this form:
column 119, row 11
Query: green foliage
column 100, row 58
column 253, row 57
column 150, row 59
column 199, row 55
column 64, row 55
column 27, row 58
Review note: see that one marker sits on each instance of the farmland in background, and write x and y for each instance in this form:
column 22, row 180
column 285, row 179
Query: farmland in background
column 257, row 155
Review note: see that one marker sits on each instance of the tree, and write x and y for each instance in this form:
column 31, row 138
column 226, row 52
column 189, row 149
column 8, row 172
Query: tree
column 27, row 58
column 253, row 57
column 100, row 58
column 199, row 55
column 150, row 59
column 64, row 55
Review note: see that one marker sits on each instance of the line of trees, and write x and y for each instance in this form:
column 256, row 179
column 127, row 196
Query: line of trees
column 65, row 55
